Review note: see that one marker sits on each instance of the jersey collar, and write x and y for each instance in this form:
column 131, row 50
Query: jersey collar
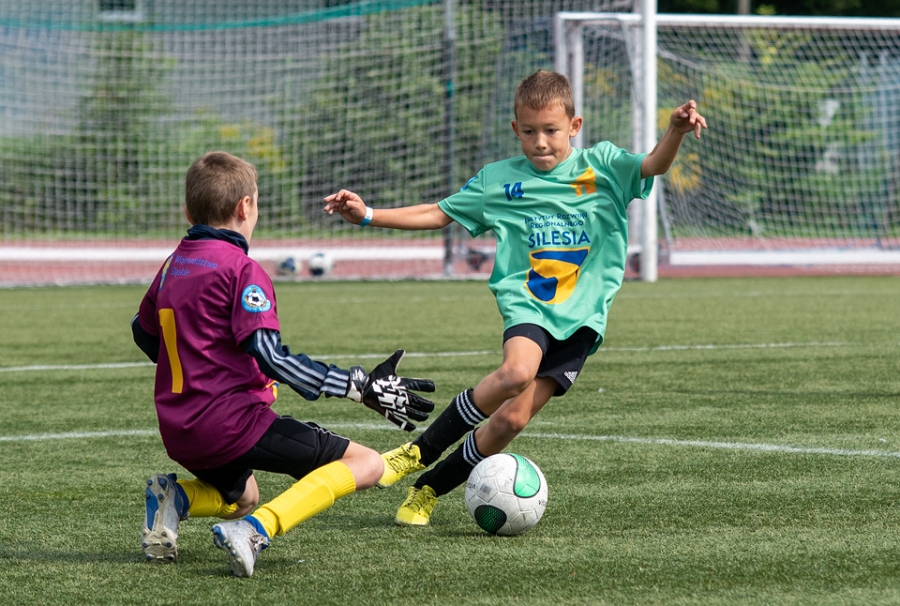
column 205, row 232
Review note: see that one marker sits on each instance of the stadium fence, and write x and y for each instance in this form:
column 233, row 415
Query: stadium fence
column 108, row 102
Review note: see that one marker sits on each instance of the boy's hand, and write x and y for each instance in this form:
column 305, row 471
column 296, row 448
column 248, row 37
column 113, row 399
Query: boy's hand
column 686, row 119
column 347, row 204
column 388, row 395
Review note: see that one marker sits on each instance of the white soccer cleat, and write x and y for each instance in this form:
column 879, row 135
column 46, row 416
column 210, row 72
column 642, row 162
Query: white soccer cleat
column 159, row 537
column 240, row 540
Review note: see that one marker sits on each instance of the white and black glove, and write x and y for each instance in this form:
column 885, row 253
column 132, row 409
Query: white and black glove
column 389, row 395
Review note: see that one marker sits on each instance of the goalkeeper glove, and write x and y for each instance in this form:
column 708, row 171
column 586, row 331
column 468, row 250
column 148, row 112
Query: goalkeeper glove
column 389, row 395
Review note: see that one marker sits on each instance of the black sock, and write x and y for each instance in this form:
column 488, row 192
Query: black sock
column 459, row 418
column 454, row 470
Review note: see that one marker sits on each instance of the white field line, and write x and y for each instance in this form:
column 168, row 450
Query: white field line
column 75, row 366
column 444, row 354
column 745, row 446
column 79, row 435
column 737, row 446
column 724, row 347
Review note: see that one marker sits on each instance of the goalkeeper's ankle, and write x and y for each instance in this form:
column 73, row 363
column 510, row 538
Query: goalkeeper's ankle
column 427, row 454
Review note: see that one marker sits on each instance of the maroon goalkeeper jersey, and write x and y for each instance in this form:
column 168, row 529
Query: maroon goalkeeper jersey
column 212, row 401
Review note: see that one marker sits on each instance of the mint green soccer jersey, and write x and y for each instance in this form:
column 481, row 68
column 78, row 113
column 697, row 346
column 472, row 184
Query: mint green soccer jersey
column 562, row 235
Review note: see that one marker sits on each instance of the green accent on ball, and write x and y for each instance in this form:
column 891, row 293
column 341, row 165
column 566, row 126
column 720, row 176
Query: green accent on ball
column 489, row 518
column 528, row 482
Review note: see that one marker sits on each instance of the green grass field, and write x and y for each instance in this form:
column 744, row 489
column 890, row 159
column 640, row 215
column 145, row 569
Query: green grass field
column 735, row 441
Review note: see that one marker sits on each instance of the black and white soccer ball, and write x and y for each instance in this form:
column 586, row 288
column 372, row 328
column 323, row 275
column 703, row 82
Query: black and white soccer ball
column 320, row 264
column 506, row 494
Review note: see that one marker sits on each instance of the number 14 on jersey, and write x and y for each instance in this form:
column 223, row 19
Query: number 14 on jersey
column 513, row 190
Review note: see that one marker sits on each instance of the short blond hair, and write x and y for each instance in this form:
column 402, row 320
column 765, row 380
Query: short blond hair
column 214, row 185
column 544, row 89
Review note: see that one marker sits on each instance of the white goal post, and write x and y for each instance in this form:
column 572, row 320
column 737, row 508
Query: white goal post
column 800, row 163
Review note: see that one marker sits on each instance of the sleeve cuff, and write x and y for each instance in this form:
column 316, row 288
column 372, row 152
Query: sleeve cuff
column 336, row 382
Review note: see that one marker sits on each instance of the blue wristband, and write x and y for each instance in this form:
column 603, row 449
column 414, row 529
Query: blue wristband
column 368, row 218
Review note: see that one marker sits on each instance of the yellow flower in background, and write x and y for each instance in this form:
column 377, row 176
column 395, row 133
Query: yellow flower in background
column 685, row 174
column 229, row 132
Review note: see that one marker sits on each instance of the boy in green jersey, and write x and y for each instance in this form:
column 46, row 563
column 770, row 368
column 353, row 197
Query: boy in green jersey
column 559, row 217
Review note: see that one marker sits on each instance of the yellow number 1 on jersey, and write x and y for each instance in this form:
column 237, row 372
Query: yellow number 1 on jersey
column 167, row 323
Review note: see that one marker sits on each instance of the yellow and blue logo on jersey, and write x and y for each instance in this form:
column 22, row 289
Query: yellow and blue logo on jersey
column 273, row 385
column 165, row 272
column 554, row 273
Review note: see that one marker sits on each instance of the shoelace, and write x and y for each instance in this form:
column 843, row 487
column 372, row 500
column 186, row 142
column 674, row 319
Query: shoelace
column 419, row 502
column 401, row 461
column 258, row 543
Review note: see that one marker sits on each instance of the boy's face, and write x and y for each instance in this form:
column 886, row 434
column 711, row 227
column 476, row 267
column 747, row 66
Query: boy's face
column 545, row 133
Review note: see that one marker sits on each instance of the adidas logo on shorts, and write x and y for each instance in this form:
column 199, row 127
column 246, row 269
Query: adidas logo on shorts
column 571, row 376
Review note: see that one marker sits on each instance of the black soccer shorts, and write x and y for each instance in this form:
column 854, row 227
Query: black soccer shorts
column 562, row 360
column 289, row 446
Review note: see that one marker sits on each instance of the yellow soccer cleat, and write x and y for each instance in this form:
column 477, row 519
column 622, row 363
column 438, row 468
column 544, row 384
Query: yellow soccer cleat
column 416, row 509
column 399, row 463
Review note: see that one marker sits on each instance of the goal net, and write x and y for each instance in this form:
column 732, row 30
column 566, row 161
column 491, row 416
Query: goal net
column 800, row 163
column 106, row 104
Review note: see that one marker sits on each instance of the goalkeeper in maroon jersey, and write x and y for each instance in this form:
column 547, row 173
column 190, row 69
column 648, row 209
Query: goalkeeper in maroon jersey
column 209, row 322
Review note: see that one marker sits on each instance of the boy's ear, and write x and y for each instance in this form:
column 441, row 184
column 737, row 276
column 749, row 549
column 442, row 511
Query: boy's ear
column 243, row 208
column 575, row 125
column 187, row 215
column 515, row 127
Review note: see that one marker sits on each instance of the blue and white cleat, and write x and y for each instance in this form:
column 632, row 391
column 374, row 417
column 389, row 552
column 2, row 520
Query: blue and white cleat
column 240, row 540
column 159, row 538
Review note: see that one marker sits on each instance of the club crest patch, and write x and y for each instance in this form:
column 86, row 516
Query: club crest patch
column 254, row 300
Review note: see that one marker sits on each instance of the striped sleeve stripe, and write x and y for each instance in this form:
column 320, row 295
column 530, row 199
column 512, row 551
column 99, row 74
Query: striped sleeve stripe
column 299, row 376
column 336, row 382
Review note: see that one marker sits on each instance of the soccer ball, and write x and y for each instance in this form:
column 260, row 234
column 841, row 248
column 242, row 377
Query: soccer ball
column 506, row 494
column 286, row 267
column 320, row 264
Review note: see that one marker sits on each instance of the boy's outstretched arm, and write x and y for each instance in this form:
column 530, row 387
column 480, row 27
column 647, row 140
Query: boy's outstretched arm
column 684, row 120
column 381, row 390
column 352, row 208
